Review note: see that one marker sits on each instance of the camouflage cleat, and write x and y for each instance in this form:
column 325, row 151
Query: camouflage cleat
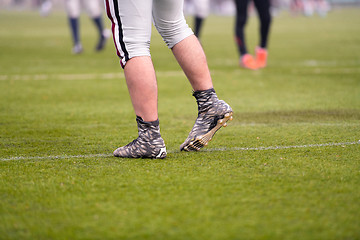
column 149, row 144
column 213, row 114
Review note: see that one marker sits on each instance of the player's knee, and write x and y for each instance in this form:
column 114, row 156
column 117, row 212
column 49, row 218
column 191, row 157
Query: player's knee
column 174, row 32
column 241, row 21
column 266, row 17
column 130, row 49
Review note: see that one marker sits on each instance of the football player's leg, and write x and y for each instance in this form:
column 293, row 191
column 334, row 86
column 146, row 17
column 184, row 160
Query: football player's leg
column 240, row 23
column 202, row 8
column 95, row 8
column 131, row 27
column 212, row 112
column 246, row 59
column 263, row 8
column 170, row 23
column 72, row 8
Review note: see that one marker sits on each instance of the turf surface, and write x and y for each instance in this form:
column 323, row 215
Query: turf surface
column 287, row 167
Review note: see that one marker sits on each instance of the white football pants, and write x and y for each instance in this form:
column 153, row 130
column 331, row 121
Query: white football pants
column 132, row 22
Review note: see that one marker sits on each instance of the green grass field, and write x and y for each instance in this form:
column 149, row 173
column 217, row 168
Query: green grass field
column 286, row 167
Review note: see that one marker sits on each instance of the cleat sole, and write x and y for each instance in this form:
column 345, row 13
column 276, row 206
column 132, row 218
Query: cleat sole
column 202, row 141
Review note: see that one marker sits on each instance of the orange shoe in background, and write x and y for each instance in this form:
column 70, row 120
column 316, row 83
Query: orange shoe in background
column 247, row 61
column 261, row 57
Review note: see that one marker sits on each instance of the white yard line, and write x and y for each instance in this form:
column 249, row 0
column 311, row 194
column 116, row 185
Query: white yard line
column 274, row 124
column 80, row 76
column 282, row 147
column 173, row 151
column 90, row 76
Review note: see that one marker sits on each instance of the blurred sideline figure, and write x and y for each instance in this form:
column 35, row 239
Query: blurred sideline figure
column 263, row 11
column 319, row 6
column 94, row 9
column 201, row 8
column 45, row 8
column 309, row 7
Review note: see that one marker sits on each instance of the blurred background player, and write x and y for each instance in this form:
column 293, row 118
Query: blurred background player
column 263, row 11
column 201, row 11
column 94, row 9
column 45, row 7
column 321, row 7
